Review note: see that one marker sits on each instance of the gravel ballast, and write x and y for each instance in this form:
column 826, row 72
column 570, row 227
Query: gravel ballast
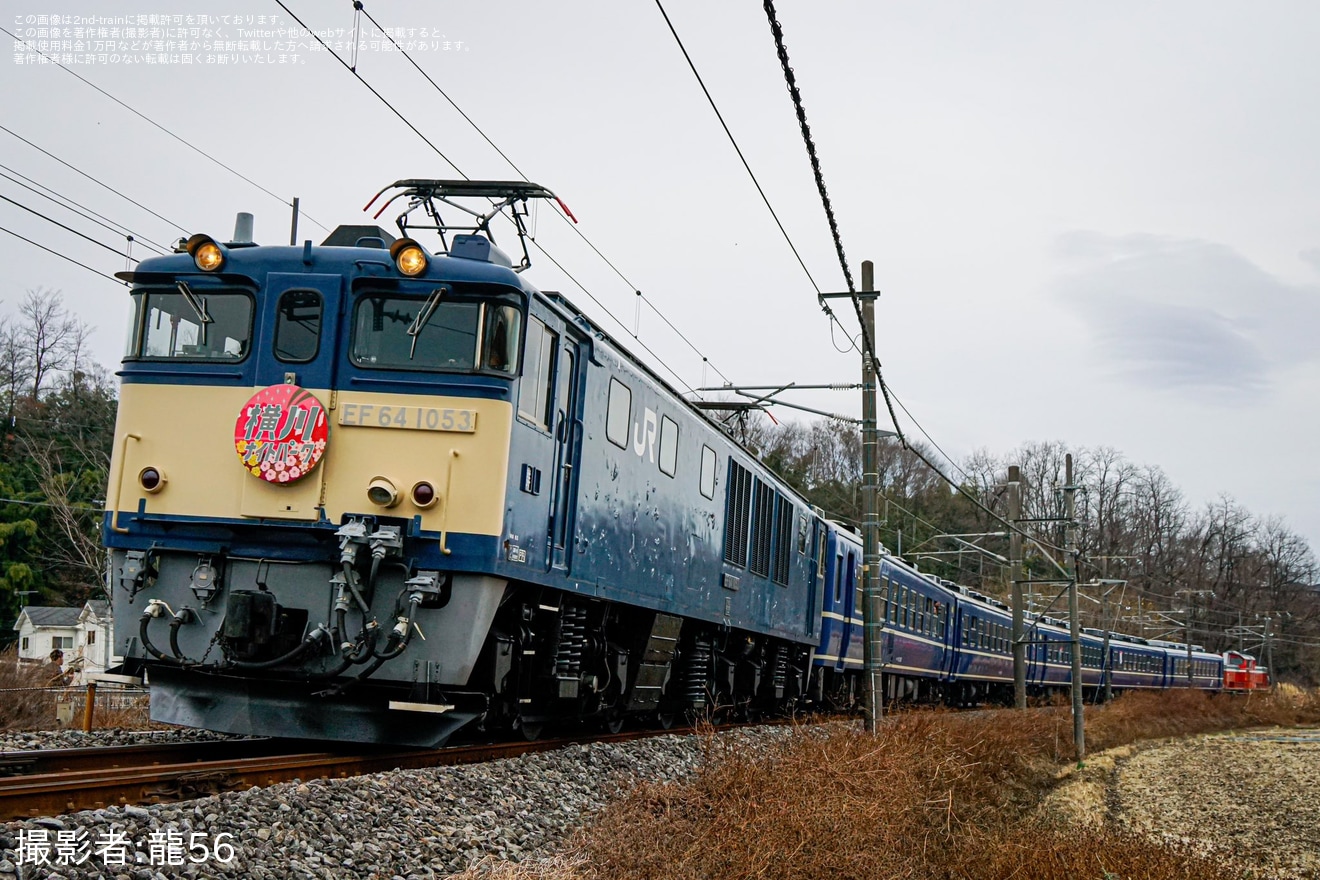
column 405, row 823
column 76, row 739
column 1256, row 793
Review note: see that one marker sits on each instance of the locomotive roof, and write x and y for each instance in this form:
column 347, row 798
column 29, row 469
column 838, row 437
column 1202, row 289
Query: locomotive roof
column 246, row 263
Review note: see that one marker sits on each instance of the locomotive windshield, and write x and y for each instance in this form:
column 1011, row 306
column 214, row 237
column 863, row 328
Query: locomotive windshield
column 434, row 333
column 186, row 323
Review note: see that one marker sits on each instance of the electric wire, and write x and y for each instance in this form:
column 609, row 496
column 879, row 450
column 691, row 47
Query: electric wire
column 947, row 457
column 66, row 228
column 359, row 6
column 756, row 182
column 868, row 347
column 353, row 70
column 601, row 306
column 156, row 124
column 460, row 172
column 81, row 210
column 72, row 167
column 62, row 256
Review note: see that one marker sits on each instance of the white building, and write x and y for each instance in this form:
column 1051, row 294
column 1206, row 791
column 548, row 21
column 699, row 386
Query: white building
column 83, row 634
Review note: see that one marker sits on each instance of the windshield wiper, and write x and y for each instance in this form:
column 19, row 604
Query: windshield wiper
column 419, row 323
column 198, row 305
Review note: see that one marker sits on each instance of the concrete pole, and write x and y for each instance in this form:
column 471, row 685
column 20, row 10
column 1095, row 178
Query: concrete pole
column 1015, row 572
column 1191, row 681
column 1269, row 653
column 1107, row 625
column 1074, row 615
column 872, row 616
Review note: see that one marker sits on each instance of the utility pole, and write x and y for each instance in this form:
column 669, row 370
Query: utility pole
column 1015, row 572
column 872, row 616
column 1074, row 615
column 1106, row 625
column 1269, row 653
column 1191, row 679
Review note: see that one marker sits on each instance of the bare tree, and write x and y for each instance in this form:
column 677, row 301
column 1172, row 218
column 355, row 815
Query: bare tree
column 54, row 335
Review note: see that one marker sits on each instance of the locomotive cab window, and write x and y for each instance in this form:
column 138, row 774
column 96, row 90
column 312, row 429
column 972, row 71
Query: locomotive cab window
column 424, row 332
column 191, row 323
column 434, row 330
column 500, row 350
column 534, row 396
column 298, row 326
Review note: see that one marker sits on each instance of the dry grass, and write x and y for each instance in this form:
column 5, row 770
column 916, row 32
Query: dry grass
column 24, row 709
column 933, row 795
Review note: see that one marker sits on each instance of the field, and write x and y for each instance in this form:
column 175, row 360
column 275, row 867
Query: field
column 933, row 795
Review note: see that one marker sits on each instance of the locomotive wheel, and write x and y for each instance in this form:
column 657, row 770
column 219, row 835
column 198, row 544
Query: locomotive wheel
column 665, row 720
column 614, row 724
column 531, row 730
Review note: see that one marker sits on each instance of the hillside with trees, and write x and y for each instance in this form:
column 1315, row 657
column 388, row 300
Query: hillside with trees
column 1167, row 564
column 59, row 410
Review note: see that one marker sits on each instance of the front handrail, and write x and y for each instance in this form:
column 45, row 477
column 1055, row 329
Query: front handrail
column 444, row 516
column 119, row 483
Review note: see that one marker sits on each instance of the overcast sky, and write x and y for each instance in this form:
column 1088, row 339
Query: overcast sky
column 1095, row 223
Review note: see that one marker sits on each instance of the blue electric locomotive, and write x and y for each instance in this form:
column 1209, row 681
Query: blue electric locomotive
column 365, row 491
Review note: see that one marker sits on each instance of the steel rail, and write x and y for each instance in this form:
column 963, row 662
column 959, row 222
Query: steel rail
column 119, row 776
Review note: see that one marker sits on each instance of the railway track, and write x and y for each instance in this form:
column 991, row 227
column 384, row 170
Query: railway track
column 57, row 781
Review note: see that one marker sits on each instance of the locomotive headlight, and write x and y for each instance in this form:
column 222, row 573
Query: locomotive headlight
column 382, row 492
column 151, row 479
column 409, row 257
column 206, row 253
column 424, row 495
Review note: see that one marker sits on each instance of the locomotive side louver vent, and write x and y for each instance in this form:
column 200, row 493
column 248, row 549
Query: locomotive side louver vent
column 763, row 518
column 737, row 510
column 783, row 542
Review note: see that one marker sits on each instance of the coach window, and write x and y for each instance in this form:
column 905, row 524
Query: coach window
column 534, row 397
column 838, row 579
column 707, row 484
column 201, row 324
column 618, row 412
column 668, row 445
column 298, row 326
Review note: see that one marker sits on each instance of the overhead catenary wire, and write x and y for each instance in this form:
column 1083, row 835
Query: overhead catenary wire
column 868, row 346
column 752, row 174
column 162, row 128
column 61, row 256
column 360, row 7
column 72, row 167
column 78, row 208
column 64, row 227
column 462, row 174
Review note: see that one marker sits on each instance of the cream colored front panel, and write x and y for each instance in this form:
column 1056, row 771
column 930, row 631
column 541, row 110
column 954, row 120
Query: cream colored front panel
column 467, row 464
column 459, row 445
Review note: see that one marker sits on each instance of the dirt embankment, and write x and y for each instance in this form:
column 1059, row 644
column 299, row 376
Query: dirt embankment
column 1249, row 796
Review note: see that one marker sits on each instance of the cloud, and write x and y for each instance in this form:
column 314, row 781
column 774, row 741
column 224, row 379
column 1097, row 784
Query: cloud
column 1312, row 256
column 1186, row 314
